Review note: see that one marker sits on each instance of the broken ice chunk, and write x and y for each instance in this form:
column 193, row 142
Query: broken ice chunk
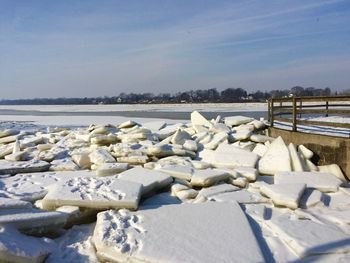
column 198, row 119
column 90, row 192
column 307, row 237
column 151, row 180
column 106, row 169
column 276, row 158
column 284, row 194
column 101, row 156
column 325, row 182
column 145, row 235
column 32, row 220
column 7, row 167
column 208, row 177
column 9, row 203
column 237, row 120
column 16, row 247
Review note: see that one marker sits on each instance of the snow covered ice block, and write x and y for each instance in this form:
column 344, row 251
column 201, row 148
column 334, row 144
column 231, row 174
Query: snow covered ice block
column 233, row 157
column 106, row 169
column 91, row 192
column 284, row 194
column 305, row 152
column 306, row 237
column 310, row 198
column 216, row 189
column 101, row 156
column 16, row 247
column 209, row 232
column 33, row 186
column 237, row 120
column 248, row 172
column 180, row 137
column 208, row 177
column 154, row 125
column 151, row 180
column 65, row 164
column 9, row 203
column 32, row 220
column 217, row 139
column 7, row 167
column 241, row 196
column 333, row 169
column 297, row 164
column 324, row 182
column 74, row 246
column 276, row 158
column 177, row 171
column 198, row 119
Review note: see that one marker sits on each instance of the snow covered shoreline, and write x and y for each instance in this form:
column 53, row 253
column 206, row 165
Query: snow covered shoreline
column 185, row 107
column 160, row 185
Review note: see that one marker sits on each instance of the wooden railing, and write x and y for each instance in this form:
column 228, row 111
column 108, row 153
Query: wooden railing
column 294, row 110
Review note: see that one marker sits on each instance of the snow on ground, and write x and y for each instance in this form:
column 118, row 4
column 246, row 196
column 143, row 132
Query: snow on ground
column 203, row 197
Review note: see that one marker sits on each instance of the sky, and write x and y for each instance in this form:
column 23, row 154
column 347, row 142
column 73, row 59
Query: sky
column 102, row 48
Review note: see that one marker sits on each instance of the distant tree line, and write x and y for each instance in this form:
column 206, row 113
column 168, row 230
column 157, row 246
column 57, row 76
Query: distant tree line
column 192, row 96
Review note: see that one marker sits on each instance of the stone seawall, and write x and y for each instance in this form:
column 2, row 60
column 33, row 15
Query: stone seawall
column 327, row 149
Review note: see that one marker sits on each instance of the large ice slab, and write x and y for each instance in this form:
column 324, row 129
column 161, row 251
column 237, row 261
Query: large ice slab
column 209, row 232
column 7, row 167
column 237, row 120
column 325, row 182
column 9, row 203
column 276, row 158
column 98, row 193
column 284, row 194
column 32, row 220
column 208, row 177
column 199, row 119
column 230, row 157
column 33, row 186
column 151, row 180
column 306, row 237
column 74, row 246
column 241, row 196
column 16, row 247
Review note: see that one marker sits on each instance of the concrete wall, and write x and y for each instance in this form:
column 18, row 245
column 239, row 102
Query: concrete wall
column 328, row 149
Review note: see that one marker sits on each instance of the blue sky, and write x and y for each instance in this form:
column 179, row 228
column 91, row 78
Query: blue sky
column 97, row 48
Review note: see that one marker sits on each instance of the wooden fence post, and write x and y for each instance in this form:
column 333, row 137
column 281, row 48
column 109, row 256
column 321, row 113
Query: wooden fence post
column 294, row 114
column 271, row 114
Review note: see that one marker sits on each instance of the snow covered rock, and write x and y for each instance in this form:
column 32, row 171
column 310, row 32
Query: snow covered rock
column 146, row 236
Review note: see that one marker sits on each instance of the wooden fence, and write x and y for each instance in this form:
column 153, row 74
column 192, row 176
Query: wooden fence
column 294, row 110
